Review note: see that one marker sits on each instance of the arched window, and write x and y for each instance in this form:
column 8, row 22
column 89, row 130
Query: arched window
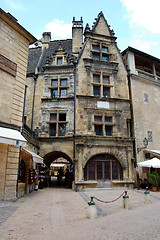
column 103, row 167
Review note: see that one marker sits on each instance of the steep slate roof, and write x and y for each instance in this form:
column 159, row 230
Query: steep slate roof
column 33, row 57
column 35, row 54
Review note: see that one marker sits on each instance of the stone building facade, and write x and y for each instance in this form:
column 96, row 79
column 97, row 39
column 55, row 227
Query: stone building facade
column 144, row 84
column 14, row 43
column 78, row 100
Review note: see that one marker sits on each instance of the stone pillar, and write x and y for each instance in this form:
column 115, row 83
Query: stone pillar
column 11, row 173
column 79, row 153
column 129, row 155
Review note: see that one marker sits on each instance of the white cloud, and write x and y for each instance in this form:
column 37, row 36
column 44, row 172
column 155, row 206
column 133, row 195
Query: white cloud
column 144, row 46
column 144, row 13
column 59, row 29
column 15, row 5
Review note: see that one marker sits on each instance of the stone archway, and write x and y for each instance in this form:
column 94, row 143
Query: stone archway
column 61, row 169
column 52, row 156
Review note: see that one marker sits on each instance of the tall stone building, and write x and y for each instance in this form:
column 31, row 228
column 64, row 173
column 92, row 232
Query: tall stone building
column 78, row 101
column 144, row 83
column 14, row 43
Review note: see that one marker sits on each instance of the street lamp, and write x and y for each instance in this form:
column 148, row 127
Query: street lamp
column 145, row 142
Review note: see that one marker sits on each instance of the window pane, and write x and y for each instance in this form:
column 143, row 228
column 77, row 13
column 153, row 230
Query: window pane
column 53, row 129
column 106, row 91
column 63, row 93
column 108, row 119
column 114, row 170
column 108, row 130
column 62, row 117
column 91, row 171
column 96, row 91
column 54, row 93
column 98, row 129
column 104, row 58
column 98, row 118
column 85, row 173
column 104, row 49
column 106, row 80
column 121, row 171
column 99, row 170
column 107, row 170
column 95, row 47
column 96, row 78
column 63, row 82
column 53, row 117
column 54, row 83
column 59, row 61
column 96, row 56
column 62, row 129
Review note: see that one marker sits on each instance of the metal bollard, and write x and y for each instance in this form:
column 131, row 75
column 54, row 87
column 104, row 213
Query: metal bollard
column 147, row 197
column 126, row 201
column 92, row 210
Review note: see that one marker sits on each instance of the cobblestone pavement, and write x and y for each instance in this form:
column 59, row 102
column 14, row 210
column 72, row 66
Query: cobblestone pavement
column 56, row 214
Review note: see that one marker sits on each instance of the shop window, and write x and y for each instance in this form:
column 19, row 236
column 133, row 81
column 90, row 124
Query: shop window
column 103, row 167
column 91, row 171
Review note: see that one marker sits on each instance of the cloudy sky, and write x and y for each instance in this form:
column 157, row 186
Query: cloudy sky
column 135, row 22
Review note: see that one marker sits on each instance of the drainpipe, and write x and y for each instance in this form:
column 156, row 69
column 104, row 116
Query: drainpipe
column 74, row 131
column 35, row 81
column 131, row 107
column 24, row 105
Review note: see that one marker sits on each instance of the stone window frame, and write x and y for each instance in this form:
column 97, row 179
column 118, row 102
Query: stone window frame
column 101, row 85
column 100, row 51
column 59, row 57
column 57, row 122
column 59, row 87
column 103, row 123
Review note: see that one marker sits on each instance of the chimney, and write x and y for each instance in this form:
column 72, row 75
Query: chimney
column 77, row 35
column 46, row 39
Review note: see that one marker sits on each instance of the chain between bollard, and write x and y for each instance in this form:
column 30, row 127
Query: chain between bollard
column 110, row 200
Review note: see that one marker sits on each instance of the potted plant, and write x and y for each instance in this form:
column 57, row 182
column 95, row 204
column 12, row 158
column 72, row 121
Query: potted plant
column 154, row 179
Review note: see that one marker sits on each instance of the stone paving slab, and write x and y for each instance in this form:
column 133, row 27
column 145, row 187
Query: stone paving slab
column 54, row 213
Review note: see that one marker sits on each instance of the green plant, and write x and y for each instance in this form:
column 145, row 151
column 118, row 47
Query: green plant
column 154, row 179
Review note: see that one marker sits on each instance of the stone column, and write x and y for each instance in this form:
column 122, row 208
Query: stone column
column 129, row 154
column 79, row 173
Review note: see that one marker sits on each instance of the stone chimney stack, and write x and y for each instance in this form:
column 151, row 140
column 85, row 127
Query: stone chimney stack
column 46, row 39
column 77, row 35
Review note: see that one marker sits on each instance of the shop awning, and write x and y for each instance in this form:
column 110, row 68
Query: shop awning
column 57, row 165
column 36, row 158
column 154, row 162
column 12, row 137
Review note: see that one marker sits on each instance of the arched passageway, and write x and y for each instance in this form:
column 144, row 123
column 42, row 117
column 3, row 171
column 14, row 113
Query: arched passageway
column 60, row 169
column 103, row 167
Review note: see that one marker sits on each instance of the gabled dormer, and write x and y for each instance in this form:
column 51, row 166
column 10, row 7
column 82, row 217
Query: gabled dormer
column 100, row 27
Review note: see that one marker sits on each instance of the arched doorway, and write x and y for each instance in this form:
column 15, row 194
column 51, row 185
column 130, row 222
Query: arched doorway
column 61, row 169
column 103, row 167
